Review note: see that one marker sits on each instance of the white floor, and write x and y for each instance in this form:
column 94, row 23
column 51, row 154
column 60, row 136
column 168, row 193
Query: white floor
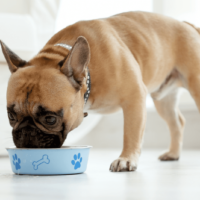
column 153, row 180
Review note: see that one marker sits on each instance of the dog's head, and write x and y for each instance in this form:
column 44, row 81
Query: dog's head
column 45, row 95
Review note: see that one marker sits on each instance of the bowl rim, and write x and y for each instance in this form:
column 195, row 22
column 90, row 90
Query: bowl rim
column 61, row 148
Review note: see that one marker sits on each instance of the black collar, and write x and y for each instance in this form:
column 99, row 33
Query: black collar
column 88, row 82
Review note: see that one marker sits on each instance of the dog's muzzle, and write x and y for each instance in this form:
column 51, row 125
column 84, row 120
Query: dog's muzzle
column 28, row 135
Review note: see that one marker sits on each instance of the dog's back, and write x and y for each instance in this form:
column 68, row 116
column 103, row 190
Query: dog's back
column 149, row 37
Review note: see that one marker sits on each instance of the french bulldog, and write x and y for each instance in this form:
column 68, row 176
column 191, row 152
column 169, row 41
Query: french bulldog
column 123, row 58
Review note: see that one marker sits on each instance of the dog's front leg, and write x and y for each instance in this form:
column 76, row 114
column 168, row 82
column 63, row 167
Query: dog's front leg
column 134, row 110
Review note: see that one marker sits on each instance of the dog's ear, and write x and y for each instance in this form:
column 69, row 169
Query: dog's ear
column 12, row 59
column 74, row 67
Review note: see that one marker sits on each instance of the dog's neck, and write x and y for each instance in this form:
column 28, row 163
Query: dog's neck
column 88, row 81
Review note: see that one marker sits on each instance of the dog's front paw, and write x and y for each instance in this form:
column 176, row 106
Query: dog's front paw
column 169, row 156
column 123, row 164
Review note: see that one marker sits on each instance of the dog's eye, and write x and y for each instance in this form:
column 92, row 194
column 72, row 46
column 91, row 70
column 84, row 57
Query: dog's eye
column 50, row 120
column 11, row 117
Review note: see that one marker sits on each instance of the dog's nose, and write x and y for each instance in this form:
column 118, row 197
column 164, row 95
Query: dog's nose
column 33, row 132
column 29, row 131
column 25, row 136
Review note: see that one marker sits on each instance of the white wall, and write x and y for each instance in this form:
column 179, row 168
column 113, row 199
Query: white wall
column 188, row 10
column 76, row 10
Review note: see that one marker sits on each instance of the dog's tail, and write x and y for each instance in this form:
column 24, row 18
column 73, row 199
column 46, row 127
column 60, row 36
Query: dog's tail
column 198, row 29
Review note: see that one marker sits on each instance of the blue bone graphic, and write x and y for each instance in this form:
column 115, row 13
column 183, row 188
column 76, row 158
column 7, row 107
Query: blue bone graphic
column 44, row 159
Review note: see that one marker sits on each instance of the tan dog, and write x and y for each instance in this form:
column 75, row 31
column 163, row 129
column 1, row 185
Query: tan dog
column 128, row 55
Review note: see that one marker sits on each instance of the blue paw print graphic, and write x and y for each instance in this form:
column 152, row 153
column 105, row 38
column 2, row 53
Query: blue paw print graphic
column 16, row 162
column 75, row 162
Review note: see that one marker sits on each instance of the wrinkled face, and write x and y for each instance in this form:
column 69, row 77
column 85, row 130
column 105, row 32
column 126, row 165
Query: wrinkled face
column 45, row 103
column 41, row 107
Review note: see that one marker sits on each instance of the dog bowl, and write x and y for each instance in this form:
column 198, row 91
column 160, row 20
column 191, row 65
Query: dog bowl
column 64, row 160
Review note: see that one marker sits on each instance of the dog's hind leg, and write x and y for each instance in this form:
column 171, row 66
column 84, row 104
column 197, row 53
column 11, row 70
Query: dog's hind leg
column 193, row 84
column 168, row 110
